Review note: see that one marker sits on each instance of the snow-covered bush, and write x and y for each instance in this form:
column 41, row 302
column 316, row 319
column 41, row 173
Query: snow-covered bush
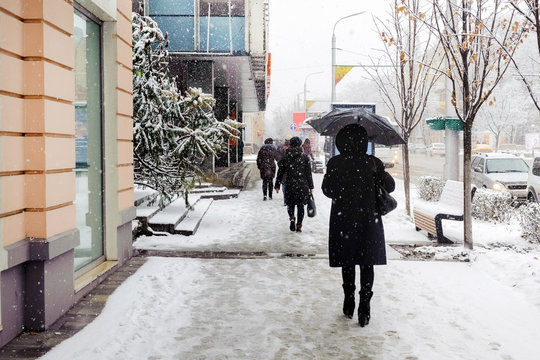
column 529, row 218
column 430, row 188
column 491, row 205
column 173, row 133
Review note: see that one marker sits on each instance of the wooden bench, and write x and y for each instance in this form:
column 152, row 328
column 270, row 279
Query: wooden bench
column 428, row 216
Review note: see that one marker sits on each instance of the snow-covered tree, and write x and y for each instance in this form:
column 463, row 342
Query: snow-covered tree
column 479, row 39
column 407, row 79
column 173, row 132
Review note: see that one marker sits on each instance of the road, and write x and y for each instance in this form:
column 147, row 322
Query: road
column 421, row 165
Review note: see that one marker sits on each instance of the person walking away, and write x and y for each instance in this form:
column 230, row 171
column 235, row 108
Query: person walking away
column 266, row 163
column 356, row 233
column 281, row 154
column 295, row 172
column 306, row 146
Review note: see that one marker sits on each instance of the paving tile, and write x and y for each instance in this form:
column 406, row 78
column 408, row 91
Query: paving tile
column 32, row 345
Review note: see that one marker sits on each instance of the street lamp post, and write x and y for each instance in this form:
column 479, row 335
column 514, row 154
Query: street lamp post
column 333, row 96
column 305, row 89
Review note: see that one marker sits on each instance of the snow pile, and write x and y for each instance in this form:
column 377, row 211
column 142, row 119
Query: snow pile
column 440, row 253
column 529, row 219
column 491, row 205
column 430, row 188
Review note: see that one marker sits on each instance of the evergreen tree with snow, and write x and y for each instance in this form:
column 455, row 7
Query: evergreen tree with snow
column 173, row 132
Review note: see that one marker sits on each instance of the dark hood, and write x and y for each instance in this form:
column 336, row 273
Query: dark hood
column 352, row 139
column 268, row 146
column 295, row 141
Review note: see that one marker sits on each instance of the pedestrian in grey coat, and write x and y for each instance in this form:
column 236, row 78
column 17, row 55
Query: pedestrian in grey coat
column 356, row 234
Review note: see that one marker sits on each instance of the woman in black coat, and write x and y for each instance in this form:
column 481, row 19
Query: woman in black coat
column 266, row 163
column 356, row 229
column 295, row 167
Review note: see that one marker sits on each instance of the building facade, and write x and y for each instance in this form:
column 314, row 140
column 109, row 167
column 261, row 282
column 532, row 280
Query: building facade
column 66, row 154
column 219, row 46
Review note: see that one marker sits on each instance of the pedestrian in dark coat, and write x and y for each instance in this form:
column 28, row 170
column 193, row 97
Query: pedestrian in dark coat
column 266, row 162
column 281, row 154
column 294, row 166
column 356, row 229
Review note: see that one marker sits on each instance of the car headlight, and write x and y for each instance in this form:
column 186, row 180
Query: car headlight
column 497, row 186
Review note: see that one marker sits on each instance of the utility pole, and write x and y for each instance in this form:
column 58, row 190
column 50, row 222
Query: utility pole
column 333, row 95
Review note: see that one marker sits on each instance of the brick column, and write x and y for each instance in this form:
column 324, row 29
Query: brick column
column 40, row 92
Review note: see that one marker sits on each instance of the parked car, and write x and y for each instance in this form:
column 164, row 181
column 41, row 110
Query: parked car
column 420, row 148
column 500, row 172
column 482, row 148
column 436, row 149
column 388, row 155
column 533, row 181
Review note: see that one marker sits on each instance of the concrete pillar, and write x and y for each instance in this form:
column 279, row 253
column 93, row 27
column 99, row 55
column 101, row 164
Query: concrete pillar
column 451, row 166
column 48, row 291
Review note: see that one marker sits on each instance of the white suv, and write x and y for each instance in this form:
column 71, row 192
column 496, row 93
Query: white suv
column 533, row 181
column 499, row 172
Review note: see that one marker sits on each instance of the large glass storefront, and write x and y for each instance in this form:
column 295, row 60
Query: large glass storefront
column 206, row 25
column 88, row 142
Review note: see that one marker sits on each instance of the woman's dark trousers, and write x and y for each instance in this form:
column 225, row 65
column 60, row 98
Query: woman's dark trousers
column 268, row 187
column 300, row 213
column 367, row 276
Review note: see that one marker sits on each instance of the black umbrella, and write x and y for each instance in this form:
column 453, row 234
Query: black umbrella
column 379, row 130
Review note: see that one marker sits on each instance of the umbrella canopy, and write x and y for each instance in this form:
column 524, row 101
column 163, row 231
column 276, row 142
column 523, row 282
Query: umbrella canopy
column 379, row 130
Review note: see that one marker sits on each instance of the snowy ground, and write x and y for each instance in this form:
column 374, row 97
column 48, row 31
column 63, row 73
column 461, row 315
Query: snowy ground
column 290, row 308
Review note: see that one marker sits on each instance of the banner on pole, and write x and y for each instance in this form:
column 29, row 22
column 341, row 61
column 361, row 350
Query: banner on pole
column 309, row 103
column 298, row 119
column 341, row 71
column 268, row 74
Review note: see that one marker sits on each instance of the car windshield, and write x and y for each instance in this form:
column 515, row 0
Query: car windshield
column 506, row 166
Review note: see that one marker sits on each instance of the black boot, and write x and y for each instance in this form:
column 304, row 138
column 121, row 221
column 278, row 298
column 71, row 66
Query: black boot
column 292, row 226
column 364, row 307
column 298, row 227
column 348, row 301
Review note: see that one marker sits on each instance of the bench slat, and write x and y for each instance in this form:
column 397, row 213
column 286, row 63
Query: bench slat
column 424, row 222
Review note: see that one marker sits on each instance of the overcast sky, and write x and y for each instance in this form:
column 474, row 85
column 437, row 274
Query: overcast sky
column 300, row 44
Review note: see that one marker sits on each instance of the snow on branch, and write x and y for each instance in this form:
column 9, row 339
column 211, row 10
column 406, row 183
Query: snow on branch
column 174, row 133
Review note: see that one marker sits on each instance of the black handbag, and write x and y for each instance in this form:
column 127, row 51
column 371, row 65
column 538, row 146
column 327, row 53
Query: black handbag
column 311, row 208
column 385, row 201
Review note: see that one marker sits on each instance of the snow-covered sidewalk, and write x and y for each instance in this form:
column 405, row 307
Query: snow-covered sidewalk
column 277, row 307
column 250, row 224
column 291, row 309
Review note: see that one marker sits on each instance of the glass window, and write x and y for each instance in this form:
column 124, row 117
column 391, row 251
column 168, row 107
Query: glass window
column 536, row 167
column 481, row 165
column 221, row 7
column 88, row 143
column 506, row 166
column 219, row 34
column 172, row 7
column 180, row 30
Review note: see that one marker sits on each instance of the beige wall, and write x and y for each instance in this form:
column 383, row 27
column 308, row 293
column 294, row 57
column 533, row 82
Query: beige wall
column 37, row 117
column 125, row 105
column 37, row 145
column 37, row 138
